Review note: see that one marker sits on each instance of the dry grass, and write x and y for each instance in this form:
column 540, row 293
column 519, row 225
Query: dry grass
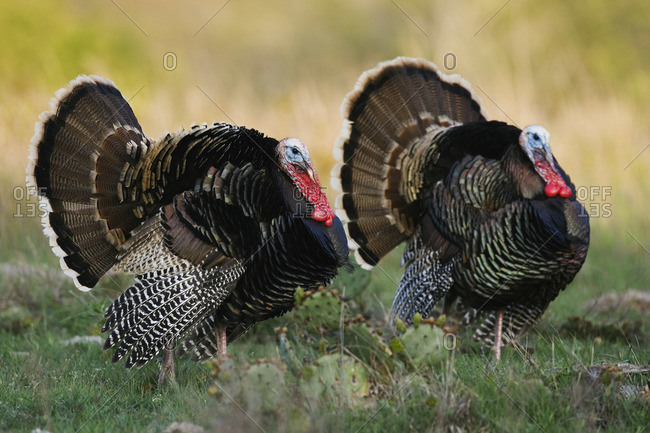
column 267, row 69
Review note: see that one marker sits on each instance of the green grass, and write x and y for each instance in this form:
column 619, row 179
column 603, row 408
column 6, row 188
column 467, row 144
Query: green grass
column 544, row 385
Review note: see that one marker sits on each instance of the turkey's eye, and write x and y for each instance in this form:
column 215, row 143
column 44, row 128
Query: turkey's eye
column 535, row 137
column 295, row 151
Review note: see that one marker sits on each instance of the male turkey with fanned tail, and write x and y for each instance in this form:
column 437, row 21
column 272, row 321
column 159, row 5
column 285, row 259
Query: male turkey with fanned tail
column 219, row 223
column 488, row 216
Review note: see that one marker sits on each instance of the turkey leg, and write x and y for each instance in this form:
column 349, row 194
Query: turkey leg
column 497, row 338
column 221, row 342
column 167, row 367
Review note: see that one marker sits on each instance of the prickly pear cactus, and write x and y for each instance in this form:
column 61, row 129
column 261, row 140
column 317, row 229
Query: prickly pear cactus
column 287, row 354
column 352, row 284
column 264, row 385
column 260, row 386
column 368, row 347
column 318, row 312
column 225, row 373
column 334, row 376
column 424, row 344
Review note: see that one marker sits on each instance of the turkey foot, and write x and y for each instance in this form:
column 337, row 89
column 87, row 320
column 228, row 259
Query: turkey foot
column 167, row 366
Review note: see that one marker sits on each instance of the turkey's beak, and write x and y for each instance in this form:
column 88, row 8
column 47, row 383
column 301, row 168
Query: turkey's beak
column 306, row 167
column 543, row 159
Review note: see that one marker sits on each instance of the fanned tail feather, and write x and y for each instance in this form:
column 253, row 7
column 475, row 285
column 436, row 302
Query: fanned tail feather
column 77, row 159
column 392, row 115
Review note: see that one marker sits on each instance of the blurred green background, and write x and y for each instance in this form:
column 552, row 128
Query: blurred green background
column 579, row 69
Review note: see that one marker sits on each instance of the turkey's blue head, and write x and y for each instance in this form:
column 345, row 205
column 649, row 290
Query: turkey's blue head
column 293, row 157
column 535, row 142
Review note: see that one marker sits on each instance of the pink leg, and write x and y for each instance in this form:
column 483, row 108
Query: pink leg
column 497, row 342
column 167, row 367
column 221, row 341
column 446, row 306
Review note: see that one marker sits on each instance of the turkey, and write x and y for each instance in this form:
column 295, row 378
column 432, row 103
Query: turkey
column 219, row 223
column 488, row 216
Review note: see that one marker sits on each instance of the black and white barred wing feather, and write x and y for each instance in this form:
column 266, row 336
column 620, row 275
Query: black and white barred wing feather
column 162, row 306
column 426, row 280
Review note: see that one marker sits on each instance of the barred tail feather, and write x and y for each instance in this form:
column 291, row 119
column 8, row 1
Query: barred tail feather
column 162, row 306
column 76, row 163
column 393, row 109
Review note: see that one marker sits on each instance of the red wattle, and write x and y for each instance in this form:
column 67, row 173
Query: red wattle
column 323, row 215
column 310, row 189
column 319, row 215
column 552, row 189
column 565, row 192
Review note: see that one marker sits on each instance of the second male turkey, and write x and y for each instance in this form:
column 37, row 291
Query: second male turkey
column 487, row 213
column 219, row 223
